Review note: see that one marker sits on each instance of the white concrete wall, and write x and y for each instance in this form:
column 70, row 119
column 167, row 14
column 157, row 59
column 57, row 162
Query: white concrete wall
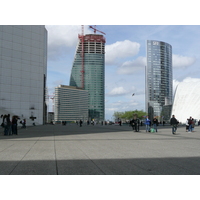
column 22, row 68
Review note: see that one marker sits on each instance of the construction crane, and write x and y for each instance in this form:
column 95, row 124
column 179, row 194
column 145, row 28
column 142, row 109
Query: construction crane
column 95, row 30
column 81, row 37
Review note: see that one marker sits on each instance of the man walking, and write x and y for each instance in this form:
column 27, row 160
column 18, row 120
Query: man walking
column 148, row 124
column 174, row 123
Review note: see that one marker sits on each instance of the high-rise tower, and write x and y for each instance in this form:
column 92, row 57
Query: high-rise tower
column 90, row 54
column 158, row 79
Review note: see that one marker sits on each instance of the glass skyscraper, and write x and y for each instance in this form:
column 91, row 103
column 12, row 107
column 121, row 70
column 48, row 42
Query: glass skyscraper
column 158, row 79
column 91, row 55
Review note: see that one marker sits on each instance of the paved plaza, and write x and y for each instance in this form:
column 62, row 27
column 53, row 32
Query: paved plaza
column 99, row 150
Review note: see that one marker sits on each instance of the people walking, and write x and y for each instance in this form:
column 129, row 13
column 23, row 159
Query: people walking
column 174, row 123
column 155, row 124
column 148, row 124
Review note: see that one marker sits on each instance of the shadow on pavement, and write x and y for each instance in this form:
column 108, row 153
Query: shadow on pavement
column 72, row 129
column 143, row 166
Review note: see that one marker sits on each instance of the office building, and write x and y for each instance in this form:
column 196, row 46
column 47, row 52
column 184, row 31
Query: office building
column 71, row 104
column 159, row 79
column 88, row 72
column 23, row 71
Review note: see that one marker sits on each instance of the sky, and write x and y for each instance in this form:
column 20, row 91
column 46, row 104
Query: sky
column 125, row 59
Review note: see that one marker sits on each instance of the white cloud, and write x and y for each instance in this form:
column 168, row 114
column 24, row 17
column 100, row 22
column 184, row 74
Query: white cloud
column 182, row 61
column 190, row 79
column 118, row 91
column 130, row 67
column 63, row 38
column 120, row 49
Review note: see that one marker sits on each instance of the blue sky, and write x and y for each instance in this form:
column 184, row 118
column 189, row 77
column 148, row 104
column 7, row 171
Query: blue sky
column 125, row 59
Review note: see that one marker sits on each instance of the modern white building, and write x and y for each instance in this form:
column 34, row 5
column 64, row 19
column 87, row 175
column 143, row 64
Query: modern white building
column 23, row 71
column 71, row 104
column 187, row 101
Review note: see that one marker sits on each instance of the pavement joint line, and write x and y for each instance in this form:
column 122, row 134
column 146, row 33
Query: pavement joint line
column 7, row 148
column 92, row 161
column 23, row 157
column 55, row 152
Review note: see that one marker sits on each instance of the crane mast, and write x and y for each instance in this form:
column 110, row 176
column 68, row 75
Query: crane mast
column 82, row 57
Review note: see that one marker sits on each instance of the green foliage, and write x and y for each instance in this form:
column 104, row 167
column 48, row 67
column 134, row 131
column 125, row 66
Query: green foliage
column 129, row 114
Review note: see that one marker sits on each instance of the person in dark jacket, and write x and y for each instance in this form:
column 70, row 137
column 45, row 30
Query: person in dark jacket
column 14, row 125
column 174, row 123
column 155, row 123
column 135, row 122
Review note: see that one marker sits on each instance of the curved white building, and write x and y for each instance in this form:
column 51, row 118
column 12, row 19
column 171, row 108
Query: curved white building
column 187, row 101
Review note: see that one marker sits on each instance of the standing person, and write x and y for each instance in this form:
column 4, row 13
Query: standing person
column 135, row 122
column 80, row 122
column 190, row 124
column 14, row 125
column 147, row 123
column 9, row 125
column 1, row 121
column 174, row 123
column 155, row 124
column 24, row 123
column 5, row 125
column 193, row 124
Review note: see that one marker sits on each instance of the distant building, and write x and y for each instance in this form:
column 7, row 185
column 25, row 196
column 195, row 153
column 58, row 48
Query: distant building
column 187, row 101
column 50, row 117
column 23, row 71
column 159, row 79
column 71, row 104
column 92, row 78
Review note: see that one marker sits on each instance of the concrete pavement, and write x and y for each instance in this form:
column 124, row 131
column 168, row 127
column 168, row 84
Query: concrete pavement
column 99, row 150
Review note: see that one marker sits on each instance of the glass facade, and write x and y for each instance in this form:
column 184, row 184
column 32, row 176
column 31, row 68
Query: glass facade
column 71, row 104
column 23, row 69
column 94, row 73
column 158, row 77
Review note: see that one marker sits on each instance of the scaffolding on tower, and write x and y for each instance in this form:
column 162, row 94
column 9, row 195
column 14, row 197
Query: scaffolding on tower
column 84, row 38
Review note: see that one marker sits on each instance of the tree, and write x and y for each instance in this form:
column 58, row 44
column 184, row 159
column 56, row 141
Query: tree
column 118, row 115
column 127, row 115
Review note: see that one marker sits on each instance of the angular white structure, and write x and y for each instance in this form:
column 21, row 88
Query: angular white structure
column 187, row 101
column 23, row 71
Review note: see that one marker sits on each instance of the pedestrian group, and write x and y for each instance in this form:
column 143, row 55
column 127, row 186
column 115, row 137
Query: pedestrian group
column 151, row 126
column 10, row 125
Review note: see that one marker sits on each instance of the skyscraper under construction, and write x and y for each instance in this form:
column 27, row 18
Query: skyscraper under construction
column 88, row 72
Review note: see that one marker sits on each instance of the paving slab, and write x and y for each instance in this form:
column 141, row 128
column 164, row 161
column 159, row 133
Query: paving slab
column 99, row 150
